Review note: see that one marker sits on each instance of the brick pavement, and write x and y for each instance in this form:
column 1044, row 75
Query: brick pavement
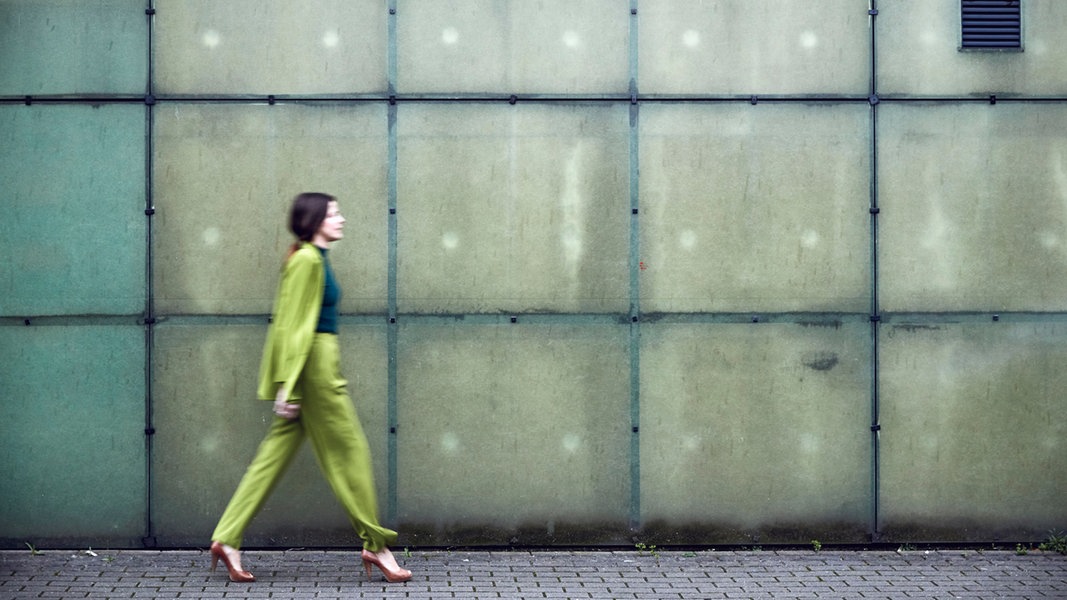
column 560, row 575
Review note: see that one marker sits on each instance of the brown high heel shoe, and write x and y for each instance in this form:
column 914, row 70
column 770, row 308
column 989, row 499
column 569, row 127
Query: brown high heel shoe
column 392, row 576
column 217, row 552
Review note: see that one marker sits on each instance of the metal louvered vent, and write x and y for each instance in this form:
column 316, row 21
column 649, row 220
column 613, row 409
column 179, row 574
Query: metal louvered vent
column 992, row 24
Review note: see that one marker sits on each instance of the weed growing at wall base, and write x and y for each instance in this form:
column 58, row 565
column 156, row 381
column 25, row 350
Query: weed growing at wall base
column 642, row 548
column 1055, row 542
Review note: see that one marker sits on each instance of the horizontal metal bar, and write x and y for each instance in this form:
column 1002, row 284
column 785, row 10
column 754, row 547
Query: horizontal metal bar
column 585, row 319
column 73, row 320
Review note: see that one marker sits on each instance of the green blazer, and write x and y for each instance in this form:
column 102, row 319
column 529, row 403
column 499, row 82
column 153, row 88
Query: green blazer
column 296, row 314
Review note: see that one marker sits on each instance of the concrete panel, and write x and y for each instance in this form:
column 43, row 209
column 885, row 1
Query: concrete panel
column 973, row 430
column 545, row 47
column 973, row 215
column 270, row 47
column 918, row 53
column 209, row 425
column 753, row 47
column 72, row 461
column 71, row 47
column 513, row 208
column 513, row 432
column 74, row 223
column 225, row 177
column 754, row 208
column 755, row 432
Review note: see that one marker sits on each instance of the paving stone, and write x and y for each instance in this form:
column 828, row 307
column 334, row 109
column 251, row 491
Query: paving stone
column 551, row 575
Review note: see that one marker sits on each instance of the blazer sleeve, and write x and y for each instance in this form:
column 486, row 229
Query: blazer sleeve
column 296, row 313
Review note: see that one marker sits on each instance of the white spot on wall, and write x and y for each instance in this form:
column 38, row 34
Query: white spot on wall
column 687, row 239
column 449, row 442
column 809, row 238
column 571, row 442
column 1049, row 239
column 691, row 38
column 449, row 241
column 450, row 35
column 211, row 38
column 209, row 443
column 330, row 39
column 571, row 39
column 808, row 40
column 211, row 236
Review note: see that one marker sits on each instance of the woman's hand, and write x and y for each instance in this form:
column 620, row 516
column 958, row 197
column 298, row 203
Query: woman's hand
column 283, row 408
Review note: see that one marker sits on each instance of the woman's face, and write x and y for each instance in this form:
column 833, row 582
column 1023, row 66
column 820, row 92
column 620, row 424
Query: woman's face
column 332, row 226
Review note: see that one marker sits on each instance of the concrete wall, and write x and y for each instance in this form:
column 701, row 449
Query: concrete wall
column 669, row 271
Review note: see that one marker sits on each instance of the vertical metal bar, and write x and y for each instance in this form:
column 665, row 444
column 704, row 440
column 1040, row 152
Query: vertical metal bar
column 874, row 307
column 635, row 290
column 148, row 539
column 392, row 333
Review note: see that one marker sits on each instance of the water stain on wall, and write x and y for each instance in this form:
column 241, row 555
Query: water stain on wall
column 820, row 361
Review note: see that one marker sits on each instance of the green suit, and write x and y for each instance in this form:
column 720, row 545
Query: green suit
column 308, row 364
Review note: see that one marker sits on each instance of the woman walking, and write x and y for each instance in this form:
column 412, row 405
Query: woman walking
column 300, row 371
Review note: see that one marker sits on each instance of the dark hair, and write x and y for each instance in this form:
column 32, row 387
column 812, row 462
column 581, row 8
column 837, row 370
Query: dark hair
column 306, row 216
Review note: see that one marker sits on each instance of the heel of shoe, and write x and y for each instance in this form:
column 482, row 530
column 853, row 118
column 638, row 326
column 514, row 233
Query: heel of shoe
column 392, row 576
column 237, row 576
column 366, row 568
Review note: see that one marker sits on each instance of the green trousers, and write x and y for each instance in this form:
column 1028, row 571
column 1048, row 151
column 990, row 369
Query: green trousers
column 329, row 421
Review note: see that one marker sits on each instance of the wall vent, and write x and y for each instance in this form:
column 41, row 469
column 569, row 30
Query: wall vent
column 991, row 24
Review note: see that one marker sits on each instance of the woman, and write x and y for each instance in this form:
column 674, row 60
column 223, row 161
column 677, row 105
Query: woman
column 300, row 372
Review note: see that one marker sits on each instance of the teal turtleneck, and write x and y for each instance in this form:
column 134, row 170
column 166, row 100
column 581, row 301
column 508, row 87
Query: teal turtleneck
column 331, row 298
